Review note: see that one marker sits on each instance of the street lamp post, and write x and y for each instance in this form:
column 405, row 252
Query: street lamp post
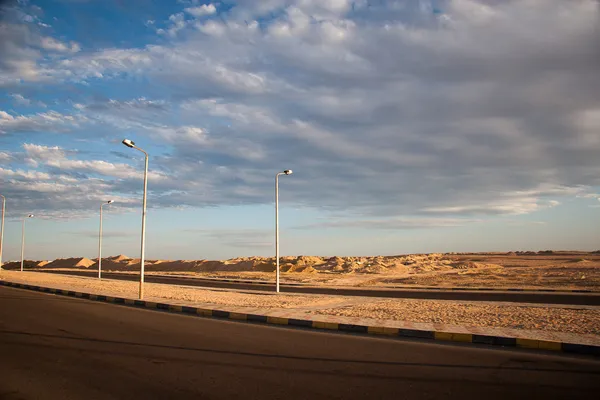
column 2, row 232
column 286, row 172
column 132, row 145
column 23, row 241
column 100, row 240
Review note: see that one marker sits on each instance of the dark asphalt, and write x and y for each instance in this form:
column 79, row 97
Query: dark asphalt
column 588, row 299
column 55, row 347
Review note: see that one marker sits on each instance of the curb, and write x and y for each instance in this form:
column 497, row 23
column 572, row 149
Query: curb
column 572, row 348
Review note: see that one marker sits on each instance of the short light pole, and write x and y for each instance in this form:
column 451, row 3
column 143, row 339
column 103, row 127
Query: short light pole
column 132, row 145
column 23, row 241
column 2, row 232
column 100, row 240
column 286, row 172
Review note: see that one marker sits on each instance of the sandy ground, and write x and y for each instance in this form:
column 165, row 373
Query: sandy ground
column 172, row 292
column 571, row 319
column 542, row 270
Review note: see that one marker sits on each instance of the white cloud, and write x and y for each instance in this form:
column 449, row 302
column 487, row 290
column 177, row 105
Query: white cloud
column 394, row 223
column 5, row 157
column 37, row 153
column 57, row 158
column 185, row 135
column 49, row 43
column 177, row 23
column 20, row 99
column 205, row 9
column 391, row 109
column 66, row 183
column 140, row 103
column 32, row 175
column 50, row 121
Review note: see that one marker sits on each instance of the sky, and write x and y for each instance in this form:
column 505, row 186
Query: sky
column 411, row 126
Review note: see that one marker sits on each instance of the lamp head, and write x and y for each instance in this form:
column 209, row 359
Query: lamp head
column 128, row 143
column 110, row 202
column 287, row 172
column 30, row 216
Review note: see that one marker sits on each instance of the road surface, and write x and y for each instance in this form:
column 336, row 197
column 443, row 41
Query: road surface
column 587, row 299
column 55, row 347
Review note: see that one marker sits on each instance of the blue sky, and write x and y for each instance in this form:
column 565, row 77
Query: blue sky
column 411, row 126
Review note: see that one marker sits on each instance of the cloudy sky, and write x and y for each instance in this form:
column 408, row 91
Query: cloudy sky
column 411, row 126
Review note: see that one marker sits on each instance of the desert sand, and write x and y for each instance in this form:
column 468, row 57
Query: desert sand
column 534, row 270
column 582, row 320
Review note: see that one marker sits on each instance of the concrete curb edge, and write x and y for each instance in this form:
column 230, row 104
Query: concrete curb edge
column 573, row 348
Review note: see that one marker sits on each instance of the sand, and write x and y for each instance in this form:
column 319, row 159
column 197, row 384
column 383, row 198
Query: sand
column 573, row 320
column 570, row 319
column 171, row 292
column 541, row 270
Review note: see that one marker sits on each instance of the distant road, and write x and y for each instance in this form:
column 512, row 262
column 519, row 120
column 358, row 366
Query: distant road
column 56, row 347
column 589, row 299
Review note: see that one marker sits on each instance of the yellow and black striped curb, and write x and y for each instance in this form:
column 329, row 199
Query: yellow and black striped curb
column 573, row 348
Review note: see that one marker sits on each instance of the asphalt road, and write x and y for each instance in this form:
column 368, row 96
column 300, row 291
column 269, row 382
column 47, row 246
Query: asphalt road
column 588, row 299
column 55, row 347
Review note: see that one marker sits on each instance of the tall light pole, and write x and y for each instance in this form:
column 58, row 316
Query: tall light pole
column 23, row 241
column 2, row 233
column 132, row 145
column 286, row 172
column 100, row 240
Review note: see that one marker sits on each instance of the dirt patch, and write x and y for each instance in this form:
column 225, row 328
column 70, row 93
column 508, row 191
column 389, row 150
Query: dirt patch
column 583, row 321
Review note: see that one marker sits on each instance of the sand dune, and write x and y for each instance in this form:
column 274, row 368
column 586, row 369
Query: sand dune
column 417, row 263
column 546, row 269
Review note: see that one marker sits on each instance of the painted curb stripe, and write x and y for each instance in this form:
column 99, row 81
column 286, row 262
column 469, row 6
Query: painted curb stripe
column 257, row 318
column 550, row 345
column 380, row 330
column 413, row 333
column 353, row 328
column 220, row 314
column 303, row 323
column 494, row 340
column 277, row 321
column 375, row 330
column 325, row 325
column 454, row 337
column 528, row 343
column 238, row 316
column 204, row 312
